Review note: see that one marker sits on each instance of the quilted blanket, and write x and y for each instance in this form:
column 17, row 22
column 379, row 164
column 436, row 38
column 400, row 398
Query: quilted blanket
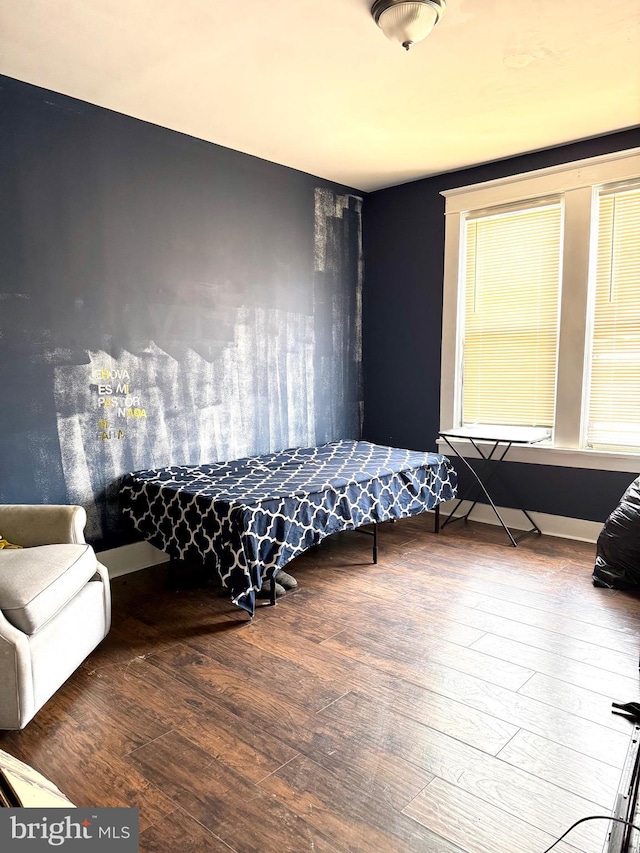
column 248, row 518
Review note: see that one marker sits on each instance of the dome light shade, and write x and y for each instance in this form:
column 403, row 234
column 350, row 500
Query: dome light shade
column 407, row 21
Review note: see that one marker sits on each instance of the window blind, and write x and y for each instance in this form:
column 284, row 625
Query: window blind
column 511, row 306
column 614, row 384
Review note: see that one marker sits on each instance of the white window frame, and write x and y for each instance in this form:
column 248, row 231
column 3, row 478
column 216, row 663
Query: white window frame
column 578, row 184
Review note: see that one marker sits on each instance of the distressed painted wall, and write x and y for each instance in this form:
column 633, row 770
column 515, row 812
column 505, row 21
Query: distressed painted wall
column 162, row 300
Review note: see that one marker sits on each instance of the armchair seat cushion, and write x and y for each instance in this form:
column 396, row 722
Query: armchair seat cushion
column 36, row 583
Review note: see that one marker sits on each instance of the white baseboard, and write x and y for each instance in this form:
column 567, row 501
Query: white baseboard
column 131, row 558
column 551, row 525
column 142, row 555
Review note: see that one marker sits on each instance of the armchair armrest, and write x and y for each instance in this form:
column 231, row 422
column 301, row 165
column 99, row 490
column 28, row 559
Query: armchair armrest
column 42, row 524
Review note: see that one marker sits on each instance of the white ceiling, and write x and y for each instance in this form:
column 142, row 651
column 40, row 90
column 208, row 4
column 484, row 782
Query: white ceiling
column 316, row 86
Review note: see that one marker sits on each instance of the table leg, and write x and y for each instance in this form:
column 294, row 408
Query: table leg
column 482, row 485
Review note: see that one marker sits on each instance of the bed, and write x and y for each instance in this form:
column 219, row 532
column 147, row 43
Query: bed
column 248, row 518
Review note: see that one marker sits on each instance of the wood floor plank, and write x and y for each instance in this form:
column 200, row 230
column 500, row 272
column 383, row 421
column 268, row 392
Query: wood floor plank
column 389, row 778
column 180, row 831
column 73, row 759
column 107, row 702
column 578, row 701
column 275, row 637
column 517, row 709
column 234, row 810
column 599, row 605
column 610, row 638
column 309, row 621
column 410, row 580
column 473, row 824
column 222, row 683
column 479, row 566
column 265, row 667
column 243, row 747
column 351, row 643
column 604, row 608
column 579, row 601
column 569, row 769
column 397, row 569
column 250, row 700
column 536, row 800
column 342, row 810
column 476, row 728
column 608, row 608
column 418, row 631
column 575, row 672
column 541, row 638
column 407, row 620
column 128, row 638
column 395, row 680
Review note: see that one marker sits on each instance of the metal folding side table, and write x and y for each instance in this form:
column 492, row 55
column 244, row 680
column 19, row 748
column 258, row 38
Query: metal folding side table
column 500, row 440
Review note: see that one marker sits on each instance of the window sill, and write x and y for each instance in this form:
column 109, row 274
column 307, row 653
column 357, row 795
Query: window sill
column 546, row 454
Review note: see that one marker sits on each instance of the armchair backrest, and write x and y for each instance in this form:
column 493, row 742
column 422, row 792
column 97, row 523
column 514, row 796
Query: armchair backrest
column 42, row 524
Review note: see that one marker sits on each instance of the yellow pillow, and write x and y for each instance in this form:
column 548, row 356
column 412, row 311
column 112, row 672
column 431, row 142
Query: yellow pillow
column 5, row 544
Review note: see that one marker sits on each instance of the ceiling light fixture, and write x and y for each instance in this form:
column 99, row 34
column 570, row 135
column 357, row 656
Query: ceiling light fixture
column 407, row 21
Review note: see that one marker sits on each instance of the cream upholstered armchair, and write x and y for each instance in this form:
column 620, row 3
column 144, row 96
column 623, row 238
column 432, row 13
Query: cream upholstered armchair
column 55, row 605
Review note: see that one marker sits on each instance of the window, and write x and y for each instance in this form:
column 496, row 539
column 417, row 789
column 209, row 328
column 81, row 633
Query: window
column 541, row 322
column 614, row 380
column 510, row 329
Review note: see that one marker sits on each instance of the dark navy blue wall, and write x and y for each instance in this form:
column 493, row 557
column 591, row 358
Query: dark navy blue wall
column 404, row 259
column 162, row 300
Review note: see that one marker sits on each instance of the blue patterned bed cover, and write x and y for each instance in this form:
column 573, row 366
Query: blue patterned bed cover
column 248, row 518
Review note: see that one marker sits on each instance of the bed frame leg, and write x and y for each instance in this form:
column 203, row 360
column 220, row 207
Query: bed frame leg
column 375, row 542
column 172, row 574
column 272, row 597
column 437, row 519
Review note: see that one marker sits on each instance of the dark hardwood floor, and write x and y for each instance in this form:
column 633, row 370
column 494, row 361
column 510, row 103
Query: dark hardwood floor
column 454, row 697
